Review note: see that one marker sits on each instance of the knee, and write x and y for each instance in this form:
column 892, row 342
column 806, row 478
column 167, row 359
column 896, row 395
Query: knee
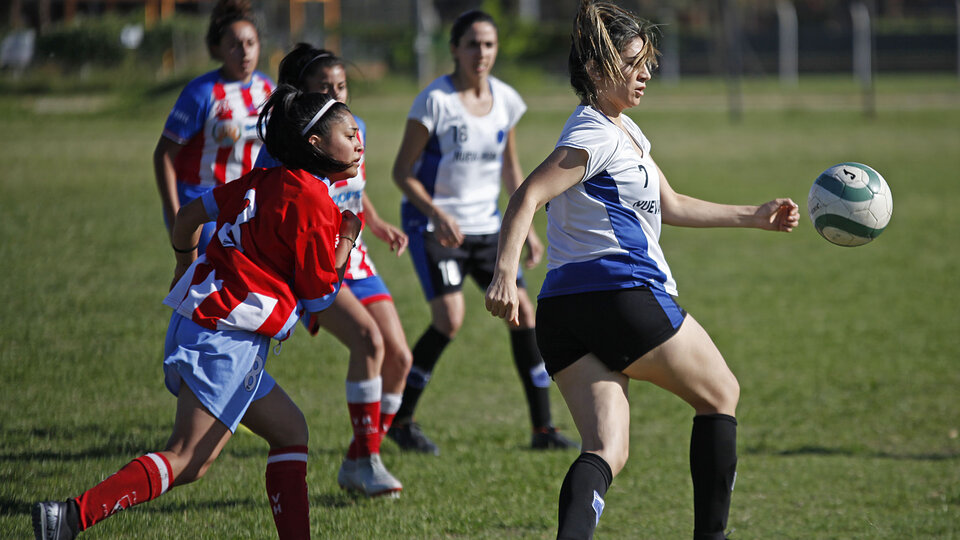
column 188, row 468
column 291, row 432
column 614, row 450
column 399, row 356
column 369, row 343
column 616, row 456
column 448, row 324
column 723, row 398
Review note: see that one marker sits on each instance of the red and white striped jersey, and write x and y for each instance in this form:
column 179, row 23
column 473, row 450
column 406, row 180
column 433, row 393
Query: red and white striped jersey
column 348, row 194
column 216, row 122
column 271, row 259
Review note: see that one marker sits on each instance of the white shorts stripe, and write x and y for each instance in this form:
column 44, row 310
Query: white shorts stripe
column 164, row 471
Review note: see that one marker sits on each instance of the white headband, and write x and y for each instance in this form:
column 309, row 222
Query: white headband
column 325, row 108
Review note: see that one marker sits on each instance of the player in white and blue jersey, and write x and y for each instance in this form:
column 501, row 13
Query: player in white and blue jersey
column 606, row 312
column 458, row 146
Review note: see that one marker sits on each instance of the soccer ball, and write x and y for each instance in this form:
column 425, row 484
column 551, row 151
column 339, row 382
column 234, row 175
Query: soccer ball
column 850, row 204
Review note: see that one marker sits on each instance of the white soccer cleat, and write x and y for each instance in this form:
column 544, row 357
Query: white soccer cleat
column 368, row 476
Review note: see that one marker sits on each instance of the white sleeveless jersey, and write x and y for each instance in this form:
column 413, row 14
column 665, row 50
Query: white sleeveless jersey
column 604, row 232
column 462, row 162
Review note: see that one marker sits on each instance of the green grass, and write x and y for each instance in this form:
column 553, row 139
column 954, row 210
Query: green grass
column 847, row 358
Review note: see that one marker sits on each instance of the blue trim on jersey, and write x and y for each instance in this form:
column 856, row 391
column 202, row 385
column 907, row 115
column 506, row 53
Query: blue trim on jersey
column 619, row 271
column 410, row 215
column 669, row 305
column 314, row 305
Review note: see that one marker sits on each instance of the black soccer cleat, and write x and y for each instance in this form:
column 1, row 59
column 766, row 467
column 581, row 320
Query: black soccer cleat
column 409, row 436
column 549, row 438
column 55, row 520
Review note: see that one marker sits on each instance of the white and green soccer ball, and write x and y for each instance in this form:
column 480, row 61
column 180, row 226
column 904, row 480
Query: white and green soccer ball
column 850, row 204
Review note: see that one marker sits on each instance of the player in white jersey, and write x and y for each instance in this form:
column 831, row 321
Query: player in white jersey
column 459, row 144
column 606, row 312
column 210, row 136
column 363, row 316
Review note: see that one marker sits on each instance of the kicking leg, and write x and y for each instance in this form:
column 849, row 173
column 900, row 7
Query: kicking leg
column 690, row 366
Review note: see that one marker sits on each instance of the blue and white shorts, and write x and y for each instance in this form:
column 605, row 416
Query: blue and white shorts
column 225, row 369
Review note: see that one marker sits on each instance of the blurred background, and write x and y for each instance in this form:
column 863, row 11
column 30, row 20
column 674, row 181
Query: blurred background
column 78, row 41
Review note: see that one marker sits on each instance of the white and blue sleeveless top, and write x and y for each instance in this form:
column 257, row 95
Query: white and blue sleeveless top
column 461, row 165
column 604, row 232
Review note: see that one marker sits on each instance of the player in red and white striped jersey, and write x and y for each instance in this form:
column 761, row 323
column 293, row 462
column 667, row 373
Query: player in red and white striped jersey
column 280, row 252
column 363, row 316
column 210, row 136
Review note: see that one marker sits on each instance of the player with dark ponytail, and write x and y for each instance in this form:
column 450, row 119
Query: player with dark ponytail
column 363, row 317
column 278, row 256
column 607, row 311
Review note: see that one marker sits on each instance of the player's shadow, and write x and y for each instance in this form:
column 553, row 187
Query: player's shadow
column 72, row 443
column 58, row 443
column 815, row 450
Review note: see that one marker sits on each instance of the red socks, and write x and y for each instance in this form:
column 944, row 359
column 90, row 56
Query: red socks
column 389, row 406
column 287, row 492
column 139, row 481
column 363, row 402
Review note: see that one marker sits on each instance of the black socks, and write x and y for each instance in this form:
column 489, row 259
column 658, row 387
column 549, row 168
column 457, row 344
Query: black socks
column 425, row 355
column 581, row 497
column 713, row 466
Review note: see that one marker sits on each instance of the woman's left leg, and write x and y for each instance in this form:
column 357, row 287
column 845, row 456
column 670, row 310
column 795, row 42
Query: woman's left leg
column 690, row 366
column 397, row 359
column 277, row 419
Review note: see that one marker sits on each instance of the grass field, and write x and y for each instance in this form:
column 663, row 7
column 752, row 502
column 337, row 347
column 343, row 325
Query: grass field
column 847, row 358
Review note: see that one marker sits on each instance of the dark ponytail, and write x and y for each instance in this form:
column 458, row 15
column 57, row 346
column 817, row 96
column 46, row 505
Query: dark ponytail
column 225, row 13
column 303, row 62
column 281, row 127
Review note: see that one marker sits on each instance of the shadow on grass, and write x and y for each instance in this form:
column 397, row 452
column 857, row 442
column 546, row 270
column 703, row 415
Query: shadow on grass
column 13, row 506
column 812, row 450
column 73, row 443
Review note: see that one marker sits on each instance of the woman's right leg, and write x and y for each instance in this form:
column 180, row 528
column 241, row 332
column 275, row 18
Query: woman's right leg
column 397, row 359
column 690, row 366
column 597, row 400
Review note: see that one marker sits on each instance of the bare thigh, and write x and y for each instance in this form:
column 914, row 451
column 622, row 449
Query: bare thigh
column 598, row 402
column 350, row 323
column 690, row 366
column 276, row 418
column 397, row 357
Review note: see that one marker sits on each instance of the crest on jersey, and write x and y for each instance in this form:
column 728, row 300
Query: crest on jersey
column 226, row 133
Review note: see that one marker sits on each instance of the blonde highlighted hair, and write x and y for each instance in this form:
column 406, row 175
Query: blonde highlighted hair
column 600, row 31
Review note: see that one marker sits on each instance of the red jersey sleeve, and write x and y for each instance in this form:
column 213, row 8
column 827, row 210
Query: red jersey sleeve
column 315, row 279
